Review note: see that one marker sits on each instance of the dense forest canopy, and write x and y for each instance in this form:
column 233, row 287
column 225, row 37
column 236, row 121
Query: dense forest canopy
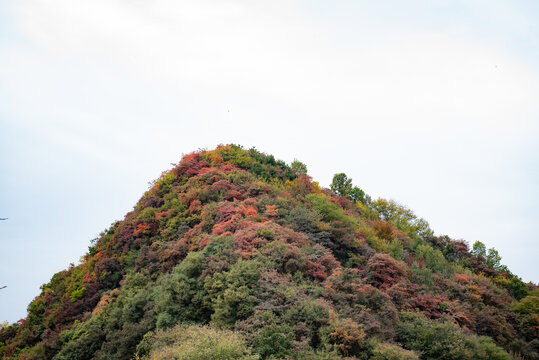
column 233, row 254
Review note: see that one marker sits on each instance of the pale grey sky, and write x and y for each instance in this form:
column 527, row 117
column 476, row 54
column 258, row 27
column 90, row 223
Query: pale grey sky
column 430, row 103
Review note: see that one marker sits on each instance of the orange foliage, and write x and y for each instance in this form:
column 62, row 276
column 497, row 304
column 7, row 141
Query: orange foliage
column 215, row 158
column 348, row 337
column 463, row 278
column 105, row 299
column 384, row 229
column 195, row 206
column 141, row 228
column 271, row 210
column 162, row 214
column 248, row 211
column 88, row 277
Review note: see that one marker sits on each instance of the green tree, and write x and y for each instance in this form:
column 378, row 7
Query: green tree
column 479, row 249
column 493, row 259
column 517, row 288
column 528, row 305
column 232, row 292
column 402, row 217
column 356, row 194
column 274, row 339
column 299, row 167
column 341, row 184
column 528, row 308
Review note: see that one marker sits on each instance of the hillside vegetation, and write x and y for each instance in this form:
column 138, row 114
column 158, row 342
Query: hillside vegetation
column 233, row 254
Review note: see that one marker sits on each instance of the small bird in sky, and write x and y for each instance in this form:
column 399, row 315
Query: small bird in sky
column 3, row 287
column 3, row 218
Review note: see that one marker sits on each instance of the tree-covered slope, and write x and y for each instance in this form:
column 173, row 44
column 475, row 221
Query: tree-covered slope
column 235, row 255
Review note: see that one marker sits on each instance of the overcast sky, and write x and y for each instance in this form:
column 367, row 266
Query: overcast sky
column 434, row 104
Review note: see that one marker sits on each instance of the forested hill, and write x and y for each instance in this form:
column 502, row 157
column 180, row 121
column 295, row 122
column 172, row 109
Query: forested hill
column 233, row 254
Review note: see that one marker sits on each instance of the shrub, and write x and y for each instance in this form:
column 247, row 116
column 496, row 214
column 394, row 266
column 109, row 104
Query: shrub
column 232, row 292
column 444, row 340
column 385, row 271
column 313, row 315
column 434, row 259
column 194, row 342
column 180, row 295
column 274, row 340
column 81, row 341
column 346, row 335
column 386, row 351
column 328, row 209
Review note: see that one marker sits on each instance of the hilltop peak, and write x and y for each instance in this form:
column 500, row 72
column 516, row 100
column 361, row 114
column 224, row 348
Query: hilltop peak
column 234, row 254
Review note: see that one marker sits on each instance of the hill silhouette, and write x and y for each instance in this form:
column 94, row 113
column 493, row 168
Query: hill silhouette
column 233, row 254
